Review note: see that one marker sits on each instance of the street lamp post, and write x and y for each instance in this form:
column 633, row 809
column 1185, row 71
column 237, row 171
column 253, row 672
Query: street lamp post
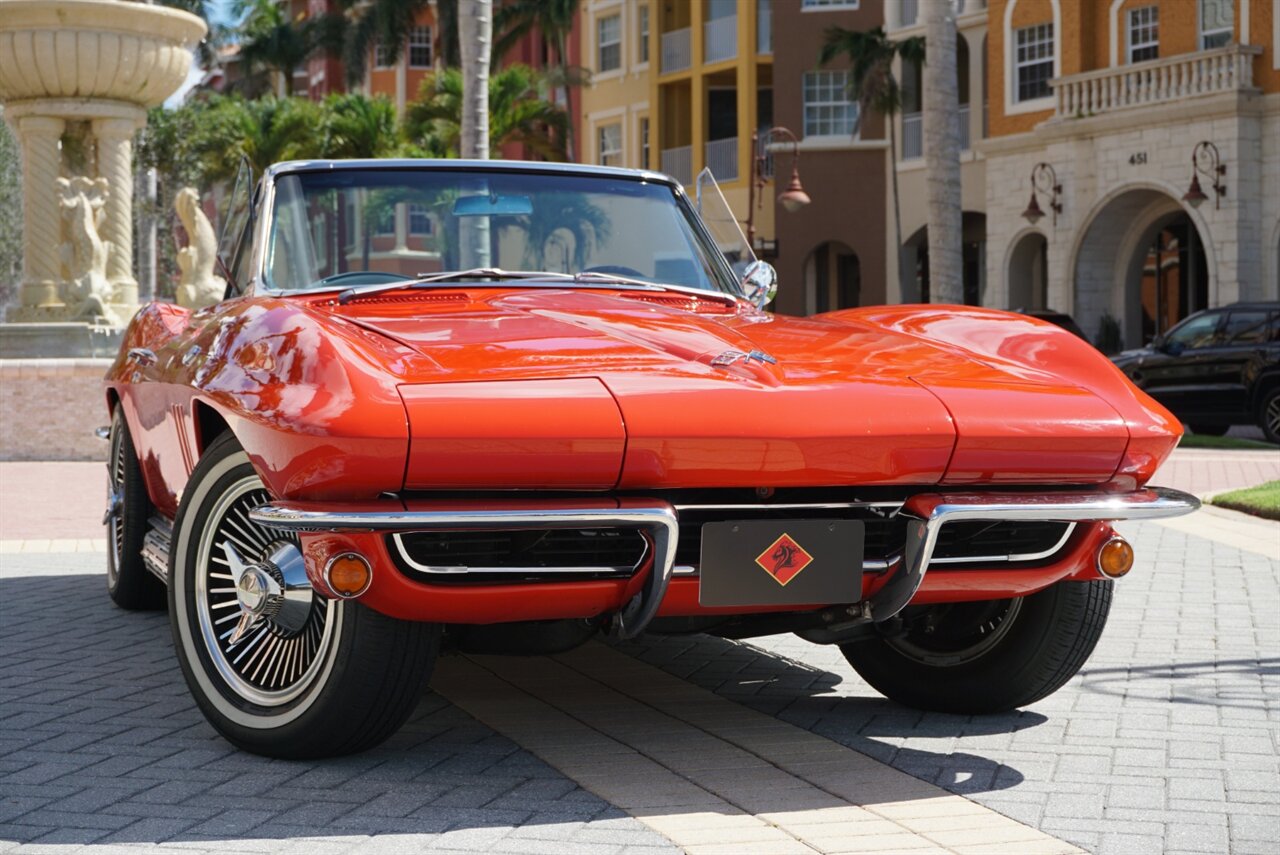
column 792, row 199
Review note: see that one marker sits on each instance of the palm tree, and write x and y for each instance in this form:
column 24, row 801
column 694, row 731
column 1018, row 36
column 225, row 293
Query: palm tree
column 873, row 86
column 942, row 155
column 475, row 39
column 356, row 126
column 269, row 40
column 554, row 20
column 519, row 112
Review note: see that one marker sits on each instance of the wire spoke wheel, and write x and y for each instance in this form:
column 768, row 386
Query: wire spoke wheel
column 115, row 506
column 259, row 658
column 957, row 633
column 1272, row 416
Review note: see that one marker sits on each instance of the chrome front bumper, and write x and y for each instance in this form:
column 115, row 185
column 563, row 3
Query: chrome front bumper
column 926, row 513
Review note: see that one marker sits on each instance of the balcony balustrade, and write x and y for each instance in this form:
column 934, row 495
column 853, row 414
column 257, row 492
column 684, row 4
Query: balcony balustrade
column 720, row 39
column 677, row 50
column 722, row 158
column 1206, row 72
column 912, row 136
column 678, row 163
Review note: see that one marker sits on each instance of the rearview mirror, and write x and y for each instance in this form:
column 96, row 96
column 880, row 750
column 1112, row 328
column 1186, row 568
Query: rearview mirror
column 492, row 206
column 760, row 283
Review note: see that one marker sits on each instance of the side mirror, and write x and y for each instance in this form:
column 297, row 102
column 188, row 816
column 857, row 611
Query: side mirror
column 760, row 283
column 1173, row 348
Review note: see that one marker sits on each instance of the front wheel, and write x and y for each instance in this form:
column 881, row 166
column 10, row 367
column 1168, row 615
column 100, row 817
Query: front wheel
column 276, row 668
column 989, row 656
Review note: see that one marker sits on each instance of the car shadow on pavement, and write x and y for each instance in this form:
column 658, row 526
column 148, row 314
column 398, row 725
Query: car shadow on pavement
column 804, row 695
column 101, row 742
column 1186, row 682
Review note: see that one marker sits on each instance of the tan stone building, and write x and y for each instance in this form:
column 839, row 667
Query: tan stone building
column 1114, row 97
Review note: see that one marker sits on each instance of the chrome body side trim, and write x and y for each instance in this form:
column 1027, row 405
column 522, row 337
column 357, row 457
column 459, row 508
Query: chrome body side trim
column 657, row 518
column 928, row 512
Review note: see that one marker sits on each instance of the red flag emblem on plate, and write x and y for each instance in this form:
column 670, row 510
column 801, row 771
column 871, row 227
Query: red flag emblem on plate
column 784, row 559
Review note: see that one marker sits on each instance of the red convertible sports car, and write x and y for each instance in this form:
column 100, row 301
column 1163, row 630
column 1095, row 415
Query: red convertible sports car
column 507, row 406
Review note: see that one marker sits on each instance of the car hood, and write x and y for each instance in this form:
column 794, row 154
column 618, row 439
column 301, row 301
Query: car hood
column 827, row 402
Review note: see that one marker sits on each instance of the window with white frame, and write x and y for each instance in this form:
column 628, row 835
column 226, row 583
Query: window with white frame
column 829, row 4
column 828, row 112
column 1217, row 23
column 382, row 54
column 1144, row 33
column 609, row 145
column 419, row 220
column 609, row 43
column 642, row 24
column 1033, row 62
column 644, row 142
column 420, row 47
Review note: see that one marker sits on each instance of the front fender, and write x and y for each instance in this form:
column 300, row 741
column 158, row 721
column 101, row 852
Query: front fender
column 1039, row 351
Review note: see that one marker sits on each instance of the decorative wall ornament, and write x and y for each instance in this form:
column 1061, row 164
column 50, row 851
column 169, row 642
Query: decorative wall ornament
column 198, row 286
column 85, row 290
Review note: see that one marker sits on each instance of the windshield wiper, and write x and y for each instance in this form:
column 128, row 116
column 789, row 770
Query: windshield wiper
column 496, row 274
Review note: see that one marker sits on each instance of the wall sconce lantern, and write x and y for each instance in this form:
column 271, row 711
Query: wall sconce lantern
column 1043, row 180
column 1206, row 161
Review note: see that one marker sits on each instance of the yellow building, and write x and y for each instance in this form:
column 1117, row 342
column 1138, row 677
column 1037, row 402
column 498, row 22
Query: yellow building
column 677, row 87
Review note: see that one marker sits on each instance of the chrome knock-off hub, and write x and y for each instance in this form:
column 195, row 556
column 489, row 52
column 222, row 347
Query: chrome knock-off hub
column 275, row 590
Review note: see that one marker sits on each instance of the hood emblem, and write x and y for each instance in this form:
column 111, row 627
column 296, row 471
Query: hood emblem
column 729, row 357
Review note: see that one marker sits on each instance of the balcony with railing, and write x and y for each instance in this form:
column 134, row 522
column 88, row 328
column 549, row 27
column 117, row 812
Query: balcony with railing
column 764, row 26
column 678, row 163
column 720, row 39
column 1107, row 90
column 965, row 136
column 722, row 158
column 677, row 50
column 912, row 136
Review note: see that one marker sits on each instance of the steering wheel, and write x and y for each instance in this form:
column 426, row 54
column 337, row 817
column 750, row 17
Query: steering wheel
column 616, row 270
column 366, row 277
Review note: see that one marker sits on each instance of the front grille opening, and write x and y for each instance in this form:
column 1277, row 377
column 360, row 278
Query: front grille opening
column 485, row 557
column 1018, row 540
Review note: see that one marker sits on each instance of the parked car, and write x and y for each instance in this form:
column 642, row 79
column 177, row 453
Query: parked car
column 582, row 421
column 1058, row 319
column 1216, row 368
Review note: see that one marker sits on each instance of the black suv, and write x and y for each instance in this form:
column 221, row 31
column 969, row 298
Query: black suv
column 1217, row 368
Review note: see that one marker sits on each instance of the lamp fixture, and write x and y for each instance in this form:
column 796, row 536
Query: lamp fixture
column 792, row 199
column 1205, row 160
column 1043, row 180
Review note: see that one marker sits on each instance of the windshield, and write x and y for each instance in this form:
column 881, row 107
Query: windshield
column 347, row 227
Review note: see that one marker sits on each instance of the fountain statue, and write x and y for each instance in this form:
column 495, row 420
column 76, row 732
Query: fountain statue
column 86, row 290
column 199, row 285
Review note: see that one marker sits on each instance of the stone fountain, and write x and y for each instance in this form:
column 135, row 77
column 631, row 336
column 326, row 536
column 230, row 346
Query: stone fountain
column 76, row 79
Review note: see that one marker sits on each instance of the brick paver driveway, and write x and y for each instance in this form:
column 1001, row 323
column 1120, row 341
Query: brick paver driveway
column 1168, row 741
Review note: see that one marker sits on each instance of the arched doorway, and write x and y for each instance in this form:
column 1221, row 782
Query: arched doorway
column 1141, row 265
column 1028, row 273
column 833, row 278
column 973, row 262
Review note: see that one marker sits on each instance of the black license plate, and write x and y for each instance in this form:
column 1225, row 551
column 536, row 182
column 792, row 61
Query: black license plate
column 781, row 562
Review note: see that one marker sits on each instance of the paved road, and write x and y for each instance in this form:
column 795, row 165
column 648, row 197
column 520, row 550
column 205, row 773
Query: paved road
column 1168, row 741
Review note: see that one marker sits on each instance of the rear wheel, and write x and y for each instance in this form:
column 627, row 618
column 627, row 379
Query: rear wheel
column 129, row 583
column 989, row 656
column 276, row 668
column 1269, row 415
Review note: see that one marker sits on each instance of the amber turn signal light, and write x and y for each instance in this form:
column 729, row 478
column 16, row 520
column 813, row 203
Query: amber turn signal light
column 348, row 574
column 1115, row 558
